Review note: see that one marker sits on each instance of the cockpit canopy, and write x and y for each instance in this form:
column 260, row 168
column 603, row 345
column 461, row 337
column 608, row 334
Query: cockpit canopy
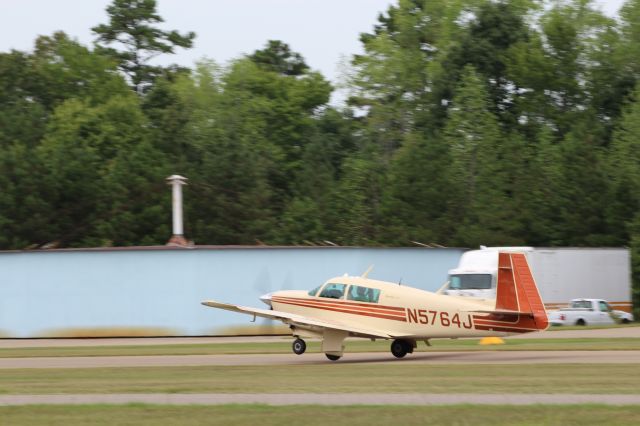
column 352, row 292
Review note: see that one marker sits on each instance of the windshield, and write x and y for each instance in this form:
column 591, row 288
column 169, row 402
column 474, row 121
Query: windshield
column 333, row 291
column 470, row 282
column 314, row 291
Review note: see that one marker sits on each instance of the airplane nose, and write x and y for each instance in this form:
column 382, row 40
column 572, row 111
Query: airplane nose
column 266, row 298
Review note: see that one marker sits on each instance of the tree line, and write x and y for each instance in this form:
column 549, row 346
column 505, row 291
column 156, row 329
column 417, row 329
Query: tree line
column 467, row 122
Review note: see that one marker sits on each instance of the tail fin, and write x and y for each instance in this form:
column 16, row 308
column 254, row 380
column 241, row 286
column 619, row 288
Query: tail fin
column 516, row 289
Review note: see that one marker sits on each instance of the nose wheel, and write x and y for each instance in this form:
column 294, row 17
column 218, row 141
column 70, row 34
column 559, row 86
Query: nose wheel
column 299, row 346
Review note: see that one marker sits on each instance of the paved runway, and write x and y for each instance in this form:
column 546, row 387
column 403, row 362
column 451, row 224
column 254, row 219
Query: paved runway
column 489, row 357
column 323, row 399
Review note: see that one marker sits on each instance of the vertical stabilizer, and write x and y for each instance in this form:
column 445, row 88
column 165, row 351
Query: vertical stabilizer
column 517, row 290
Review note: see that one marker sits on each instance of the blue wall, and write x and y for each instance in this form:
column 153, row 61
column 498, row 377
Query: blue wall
column 52, row 292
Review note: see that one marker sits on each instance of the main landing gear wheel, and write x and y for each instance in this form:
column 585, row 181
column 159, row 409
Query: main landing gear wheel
column 299, row 346
column 333, row 357
column 399, row 348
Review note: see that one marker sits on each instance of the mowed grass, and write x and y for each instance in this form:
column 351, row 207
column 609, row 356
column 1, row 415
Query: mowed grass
column 284, row 346
column 330, row 378
column 565, row 415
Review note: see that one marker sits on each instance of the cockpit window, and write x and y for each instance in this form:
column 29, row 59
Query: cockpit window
column 363, row 294
column 333, row 291
column 314, row 291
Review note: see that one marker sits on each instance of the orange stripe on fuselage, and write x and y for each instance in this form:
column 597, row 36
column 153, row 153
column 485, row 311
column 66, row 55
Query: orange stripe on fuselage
column 393, row 309
column 340, row 307
column 337, row 305
column 346, row 305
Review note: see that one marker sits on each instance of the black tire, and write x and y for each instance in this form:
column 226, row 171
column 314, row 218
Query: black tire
column 399, row 348
column 333, row 357
column 625, row 321
column 581, row 322
column 299, row 346
column 409, row 346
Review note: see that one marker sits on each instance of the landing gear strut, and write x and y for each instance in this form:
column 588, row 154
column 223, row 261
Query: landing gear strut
column 299, row 346
column 399, row 348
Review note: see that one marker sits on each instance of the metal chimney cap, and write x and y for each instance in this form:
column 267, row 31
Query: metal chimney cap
column 177, row 179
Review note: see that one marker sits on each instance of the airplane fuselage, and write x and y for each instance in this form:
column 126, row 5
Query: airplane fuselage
column 361, row 307
column 402, row 310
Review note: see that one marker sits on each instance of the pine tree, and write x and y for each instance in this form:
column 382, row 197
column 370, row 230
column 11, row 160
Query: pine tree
column 132, row 27
column 479, row 201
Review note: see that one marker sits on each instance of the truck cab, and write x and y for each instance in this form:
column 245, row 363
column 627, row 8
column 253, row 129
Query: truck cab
column 476, row 273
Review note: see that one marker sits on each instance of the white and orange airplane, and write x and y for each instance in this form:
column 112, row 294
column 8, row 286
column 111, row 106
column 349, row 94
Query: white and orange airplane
column 361, row 307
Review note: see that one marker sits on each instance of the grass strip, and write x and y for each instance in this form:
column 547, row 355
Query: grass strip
column 471, row 415
column 330, row 378
column 591, row 327
column 583, row 344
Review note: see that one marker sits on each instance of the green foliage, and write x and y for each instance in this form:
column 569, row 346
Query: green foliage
column 415, row 208
column 624, row 185
column 394, row 80
column 477, row 174
column 67, row 69
column 244, row 136
column 21, row 116
column 278, row 57
column 131, row 27
column 469, row 122
column 98, row 169
column 355, row 204
column 486, row 43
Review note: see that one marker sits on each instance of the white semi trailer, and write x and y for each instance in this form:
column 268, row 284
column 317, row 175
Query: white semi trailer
column 562, row 274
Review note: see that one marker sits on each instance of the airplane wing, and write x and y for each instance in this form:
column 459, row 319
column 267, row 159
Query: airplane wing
column 297, row 320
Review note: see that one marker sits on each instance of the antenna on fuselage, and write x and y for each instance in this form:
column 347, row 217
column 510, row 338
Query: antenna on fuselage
column 400, row 282
column 366, row 273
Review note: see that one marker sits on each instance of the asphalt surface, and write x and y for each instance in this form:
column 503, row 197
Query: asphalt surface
column 489, row 357
column 321, row 399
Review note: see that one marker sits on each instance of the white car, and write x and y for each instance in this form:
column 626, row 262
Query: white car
column 589, row 312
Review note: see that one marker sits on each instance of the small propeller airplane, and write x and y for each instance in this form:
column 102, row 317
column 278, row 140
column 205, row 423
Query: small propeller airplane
column 361, row 307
